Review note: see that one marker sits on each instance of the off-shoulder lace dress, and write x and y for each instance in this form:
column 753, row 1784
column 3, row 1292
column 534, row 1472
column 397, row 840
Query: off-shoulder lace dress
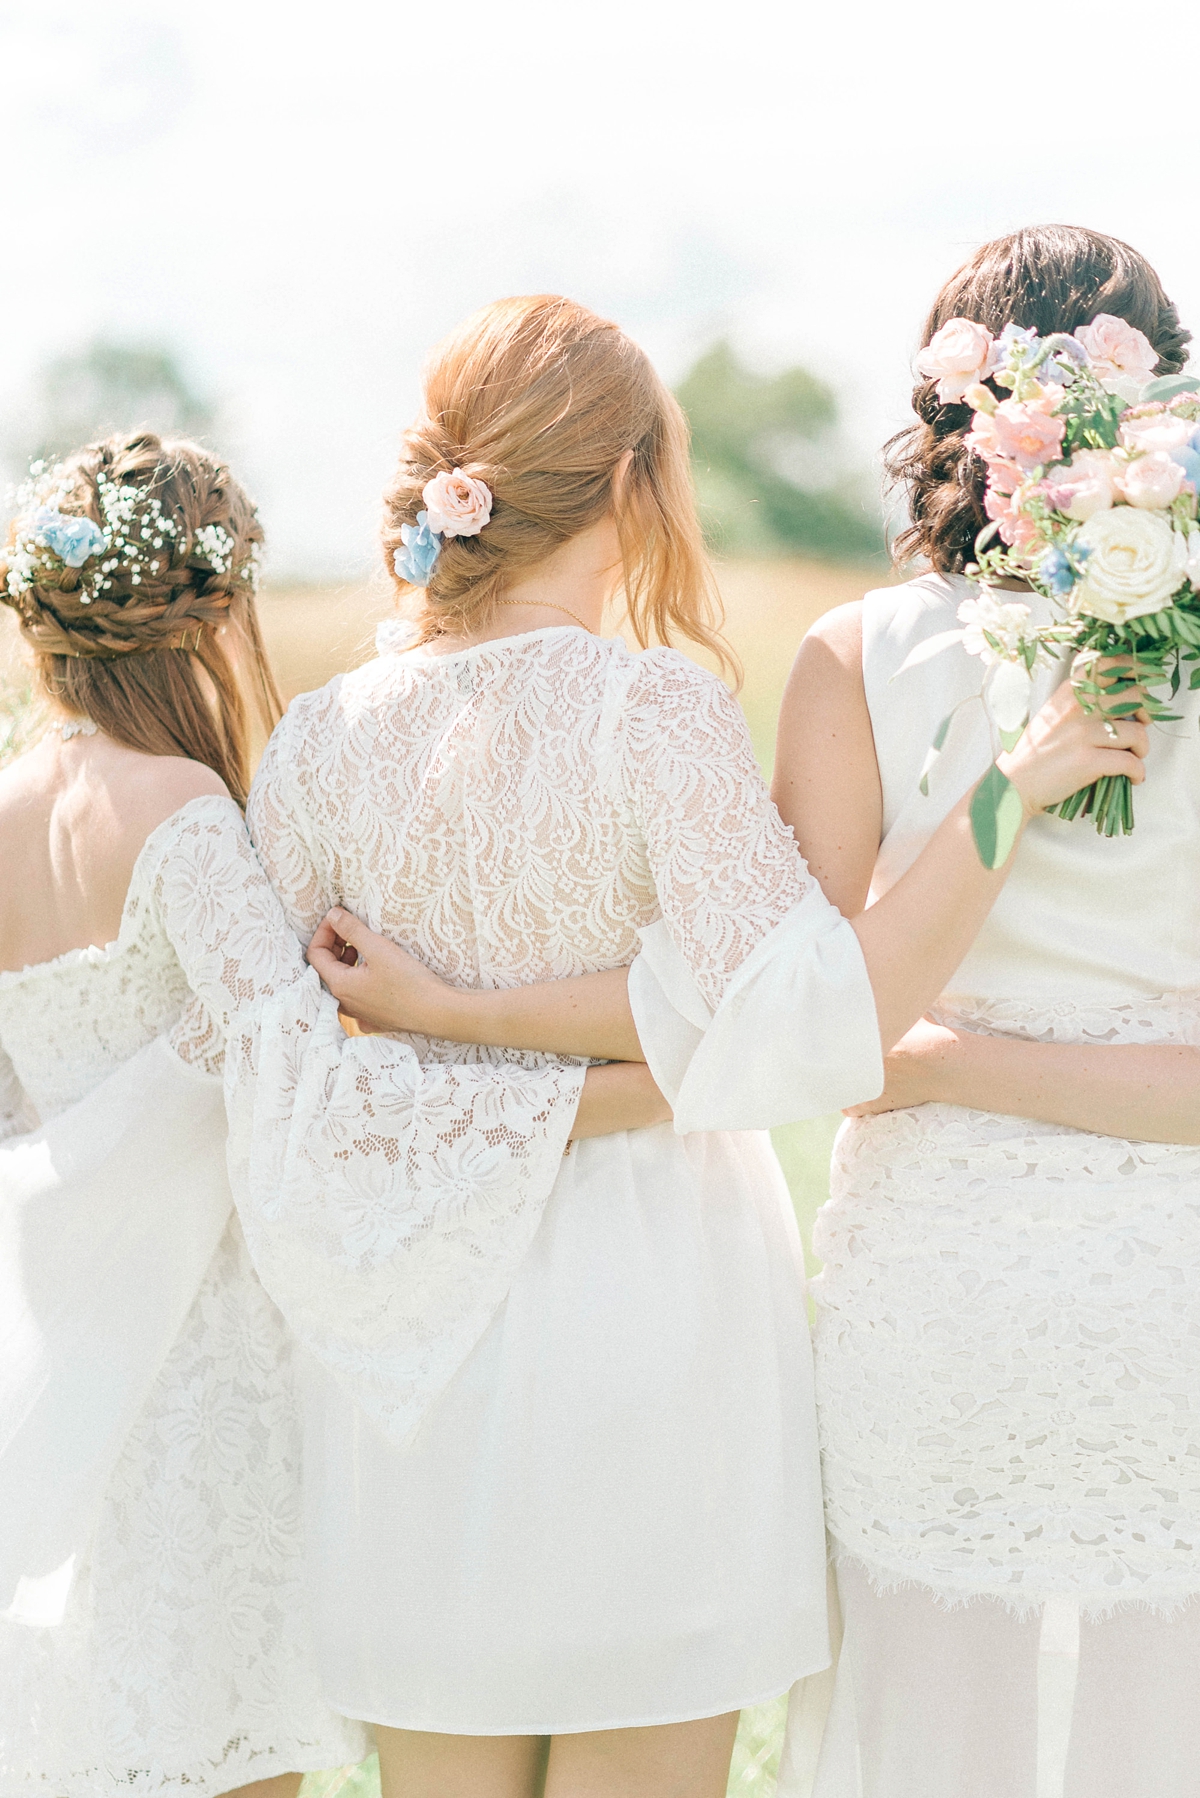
column 569, row 1481
column 387, row 1205
column 1008, row 1338
column 184, row 1659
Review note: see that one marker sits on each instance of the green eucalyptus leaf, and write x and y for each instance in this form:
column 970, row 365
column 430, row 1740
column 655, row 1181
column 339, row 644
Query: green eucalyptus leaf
column 933, row 752
column 1167, row 386
column 1010, row 738
column 996, row 816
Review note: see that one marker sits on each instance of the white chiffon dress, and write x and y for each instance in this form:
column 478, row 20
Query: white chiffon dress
column 1008, row 1336
column 561, row 1465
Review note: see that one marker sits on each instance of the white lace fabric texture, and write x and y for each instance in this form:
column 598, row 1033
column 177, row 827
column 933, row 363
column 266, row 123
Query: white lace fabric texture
column 184, row 1658
column 1057, row 1274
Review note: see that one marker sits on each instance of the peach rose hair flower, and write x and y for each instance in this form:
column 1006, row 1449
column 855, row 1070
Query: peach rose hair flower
column 958, row 356
column 457, row 504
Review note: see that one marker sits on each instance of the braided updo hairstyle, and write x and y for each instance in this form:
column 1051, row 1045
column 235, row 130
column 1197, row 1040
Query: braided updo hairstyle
column 139, row 637
column 540, row 399
column 1050, row 278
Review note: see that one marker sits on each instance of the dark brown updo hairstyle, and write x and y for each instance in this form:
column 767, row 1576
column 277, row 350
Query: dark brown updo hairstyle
column 1050, row 278
column 540, row 399
column 139, row 637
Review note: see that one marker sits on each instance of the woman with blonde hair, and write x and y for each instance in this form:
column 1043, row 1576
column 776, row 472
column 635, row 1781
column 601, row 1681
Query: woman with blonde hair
column 600, row 1534
column 154, row 1626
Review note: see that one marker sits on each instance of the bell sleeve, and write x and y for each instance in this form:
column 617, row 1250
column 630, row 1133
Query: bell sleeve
column 751, row 995
column 386, row 1203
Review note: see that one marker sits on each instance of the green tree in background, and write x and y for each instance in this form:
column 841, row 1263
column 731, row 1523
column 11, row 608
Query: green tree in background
column 104, row 388
column 766, row 464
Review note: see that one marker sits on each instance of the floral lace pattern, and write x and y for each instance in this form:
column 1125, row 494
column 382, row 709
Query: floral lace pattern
column 512, row 815
column 1008, row 1345
column 385, row 1204
column 184, row 1659
column 517, row 813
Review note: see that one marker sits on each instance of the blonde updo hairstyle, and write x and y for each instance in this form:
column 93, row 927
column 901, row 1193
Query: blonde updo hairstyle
column 540, row 399
column 141, row 642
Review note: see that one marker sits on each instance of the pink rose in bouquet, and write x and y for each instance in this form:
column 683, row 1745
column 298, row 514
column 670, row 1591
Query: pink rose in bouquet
column 1151, row 481
column 1157, row 430
column 957, row 356
column 1015, row 525
column 1117, row 352
column 1026, row 431
column 1084, row 485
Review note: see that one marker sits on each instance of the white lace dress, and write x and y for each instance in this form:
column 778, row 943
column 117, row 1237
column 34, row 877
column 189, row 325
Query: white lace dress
column 562, row 1476
column 184, row 1657
column 387, row 1205
column 1008, row 1339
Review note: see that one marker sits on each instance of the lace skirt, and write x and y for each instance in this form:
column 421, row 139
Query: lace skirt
column 1008, row 1359
column 185, row 1656
column 1008, row 1382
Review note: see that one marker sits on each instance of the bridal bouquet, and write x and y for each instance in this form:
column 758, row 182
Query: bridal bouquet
column 1093, row 470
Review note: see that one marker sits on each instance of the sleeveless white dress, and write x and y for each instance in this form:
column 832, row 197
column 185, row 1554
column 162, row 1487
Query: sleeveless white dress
column 597, row 1503
column 1008, row 1337
column 183, row 1656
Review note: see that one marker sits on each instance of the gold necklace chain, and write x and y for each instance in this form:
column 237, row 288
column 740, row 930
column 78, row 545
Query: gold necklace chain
column 547, row 605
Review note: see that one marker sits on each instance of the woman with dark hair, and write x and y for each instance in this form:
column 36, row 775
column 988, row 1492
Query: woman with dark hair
column 1008, row 1375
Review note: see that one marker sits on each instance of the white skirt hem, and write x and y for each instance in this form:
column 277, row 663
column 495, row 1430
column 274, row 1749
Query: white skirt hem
column 717, row 1709
column 1023, row 1600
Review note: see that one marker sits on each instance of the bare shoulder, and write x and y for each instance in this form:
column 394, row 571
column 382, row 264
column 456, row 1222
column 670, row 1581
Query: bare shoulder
column 833, row 646
column 157, row 785
column 826, row 781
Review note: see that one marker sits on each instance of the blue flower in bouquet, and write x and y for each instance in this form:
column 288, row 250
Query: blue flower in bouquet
column 416, row 561
column 73, row 540
column 1058, row 571
column 1188, row 458
column 1016, row 344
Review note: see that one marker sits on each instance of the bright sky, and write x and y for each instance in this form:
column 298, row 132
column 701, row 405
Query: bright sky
column 302, row 197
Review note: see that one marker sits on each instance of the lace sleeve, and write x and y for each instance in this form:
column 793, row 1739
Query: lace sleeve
column 16, row 1113
column 386, row 1204
column 725, row 866
column 275, row 818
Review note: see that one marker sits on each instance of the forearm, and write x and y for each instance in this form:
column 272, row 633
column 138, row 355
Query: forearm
column 916, row 935
column 588, row 1015
column 1148, row 1093
column 620, row 1097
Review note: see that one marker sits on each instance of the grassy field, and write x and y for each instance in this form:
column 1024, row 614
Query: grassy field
column 314, row 631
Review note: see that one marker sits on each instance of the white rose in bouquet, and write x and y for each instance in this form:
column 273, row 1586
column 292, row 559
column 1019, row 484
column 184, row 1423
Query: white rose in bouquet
column 1136, row 562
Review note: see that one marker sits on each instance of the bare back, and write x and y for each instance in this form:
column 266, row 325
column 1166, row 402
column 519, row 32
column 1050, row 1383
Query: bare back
column 73, row 818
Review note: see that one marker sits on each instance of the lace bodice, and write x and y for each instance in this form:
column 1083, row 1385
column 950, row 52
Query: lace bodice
column 517, row 812
column 512, row 814
column 67, row 1023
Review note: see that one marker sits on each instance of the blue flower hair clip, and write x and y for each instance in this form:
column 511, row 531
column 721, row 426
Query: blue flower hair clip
column 460, row 504
column 418, row 558
column 71, row 539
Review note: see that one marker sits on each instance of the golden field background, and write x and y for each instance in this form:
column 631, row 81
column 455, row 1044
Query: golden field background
column 314, row 631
